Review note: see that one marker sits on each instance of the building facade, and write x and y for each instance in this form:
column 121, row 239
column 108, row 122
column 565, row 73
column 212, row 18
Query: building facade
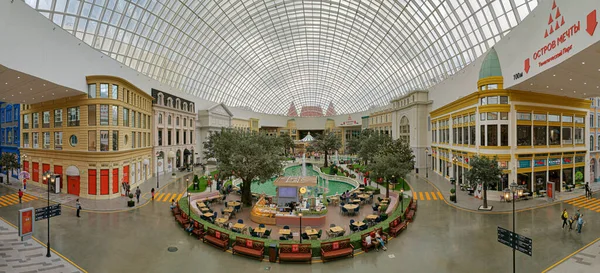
column 594, row 123
column 537, row 138
column 93, row 142
column 174, row 132
column 211, row 120
column 10, row 134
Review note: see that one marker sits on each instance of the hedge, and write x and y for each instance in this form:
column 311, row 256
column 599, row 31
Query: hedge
column 315, row 244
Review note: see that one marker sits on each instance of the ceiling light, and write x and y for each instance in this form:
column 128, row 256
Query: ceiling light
column 582, row 62
column 585, row 83
column 554, row 75
column 570, row 79
column 561, row 89
column 5, row 83
column 574, row 91
column 19, row 92
column 18, row 77
column 531, row 84
column 44, row 84
column 547, row 86
column 52, row 94
column 30, row 88
column 584, row 94
column 43, row 96
column 12, row 95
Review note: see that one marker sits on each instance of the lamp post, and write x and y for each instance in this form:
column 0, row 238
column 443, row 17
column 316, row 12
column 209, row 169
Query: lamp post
column 455, row 160
column 513, row 190
column 426, row 159
column 300, row 215
column 49, row 176
column 402, row 199
column 157, row 174
column 210, row 177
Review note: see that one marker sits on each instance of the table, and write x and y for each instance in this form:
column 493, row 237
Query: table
column 312, row 233
column 239, row 226
column 221, row 221
column 336, row 229
column 372, row 217
column 200, row 204
column 334, row 199
column 355, row 201
column 260, row 230
column 207, row 214
column 228, row 209
column 233, row 203
column 363, row 196
column 285, row 231
column 204, row 209
column 358, row 223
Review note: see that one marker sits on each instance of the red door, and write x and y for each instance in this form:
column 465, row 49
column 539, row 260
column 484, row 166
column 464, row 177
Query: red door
column 36, row 172
column 91, row 182
column 26, row 166
column 115, row 180
column 103, row 182
column 58, row 171
column 45, row 168
column 126, row 174
column 73, row 185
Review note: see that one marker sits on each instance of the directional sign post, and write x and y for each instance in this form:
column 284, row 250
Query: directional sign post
column 515, row 241
column 47, row 212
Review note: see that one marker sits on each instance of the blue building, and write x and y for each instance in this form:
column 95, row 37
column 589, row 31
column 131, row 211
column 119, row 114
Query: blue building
column 10, row 133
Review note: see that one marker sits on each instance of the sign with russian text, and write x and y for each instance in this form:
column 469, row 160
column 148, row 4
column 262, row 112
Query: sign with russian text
column 25, row 223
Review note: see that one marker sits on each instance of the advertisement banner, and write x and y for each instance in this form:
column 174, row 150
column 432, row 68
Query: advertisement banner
column 25, row 223
column 550, row 190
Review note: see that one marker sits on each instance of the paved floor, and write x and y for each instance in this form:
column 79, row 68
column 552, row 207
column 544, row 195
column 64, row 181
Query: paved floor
column 27, row 256
column 584, row 261
column 441, row 239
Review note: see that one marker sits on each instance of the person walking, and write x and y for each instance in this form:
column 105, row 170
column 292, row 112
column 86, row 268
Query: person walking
column 588, row 192
column 78, row 206
column 579, row 223
column 152, row 192
column 20, row 196
column 138, row 192
column 124, row 185
column 564, row 217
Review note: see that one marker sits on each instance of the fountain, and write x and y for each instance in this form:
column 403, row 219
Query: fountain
column 304, row 164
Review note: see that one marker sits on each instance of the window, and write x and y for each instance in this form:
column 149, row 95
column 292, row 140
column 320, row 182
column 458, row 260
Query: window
column 177, row 137
column 160, row 135
column 483, row 101
column 26, row 121
column 92, row 141
column 35, row 140
column 46, row 119
column 177, row 121
column 115, row 140
column 169, row 120
column 159, row 118
column 26, row 140
column 592, row 121
column 554, row 135
column 125, row 117
column 591, row 142
column 523, row 116
column 492, row 86
column 503, row 135
column 73, row 140
column 523, row 135
column 465, row 135
column 91, row 91
column 482, row 134
column 567, row 135
column 92, row 115
column 115, row 92
column 133, row 140
column 184, row 137
column 598, row 121
column 46, row 136
column 578, row 135
column 36, row 120
column 503, row 116
column 554, row 118
column 139, row 117
column 472, row 135
column 139, row 140
column 492, row 100
column 16, row 133
column 483, row 116
column 132, row 118
column 103, row 114
column 492, row 116
column 58, row 136
column 540, row 136
column 104, row 90
column 492, row 135
column 503, row 100
column 115, row 115
column 73, row 118
column 9, row 135
column 57, row 118
column 579, row 120
column 184, row 122
column 539, row 117
column 169, row 136
column 598, row 143
column 567, row 118
column 104, row 141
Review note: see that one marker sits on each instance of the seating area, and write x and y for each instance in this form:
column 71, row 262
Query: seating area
column 295, row 253
column 396, row 226
column 216, row 238
column 336, row 249
column 250, row 248
column 366, row 247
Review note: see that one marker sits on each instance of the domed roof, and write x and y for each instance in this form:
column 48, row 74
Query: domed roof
column 491, row 65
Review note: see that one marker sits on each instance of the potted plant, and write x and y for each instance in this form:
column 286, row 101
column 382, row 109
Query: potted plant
column 383, row 216
column 130, row 203
column 452, row 195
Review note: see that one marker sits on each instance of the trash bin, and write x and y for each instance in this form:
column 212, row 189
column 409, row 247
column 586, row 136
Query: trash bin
column 273, row 253
column 1, row 179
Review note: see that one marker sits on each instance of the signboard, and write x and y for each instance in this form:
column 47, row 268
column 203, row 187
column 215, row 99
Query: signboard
column 525, row 163
column 25, row 223
column 514, row 240
column 550, row 190
column 349, row 122
column 553, row 161
column 539, row 162
column 505, row 236
column 45, row 212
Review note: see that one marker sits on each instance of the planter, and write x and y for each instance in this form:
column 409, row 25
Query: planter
column 130, row 203
column 453, row 198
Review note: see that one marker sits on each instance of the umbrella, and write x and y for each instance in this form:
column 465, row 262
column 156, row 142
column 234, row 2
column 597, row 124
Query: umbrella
column 24, row 175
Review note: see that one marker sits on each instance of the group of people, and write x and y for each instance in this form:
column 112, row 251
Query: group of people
column 375, row 236
column 577, row 218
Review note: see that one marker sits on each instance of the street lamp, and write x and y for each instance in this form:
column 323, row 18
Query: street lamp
column 49, row 177
column 189, row 202
column 157, row 174
column 300, row 215
column 514, row 190
column 455, row 160
column 402, row 199
column 426, row 159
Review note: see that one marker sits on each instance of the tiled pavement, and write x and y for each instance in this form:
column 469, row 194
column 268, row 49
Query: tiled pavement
column 584, row 261
column 27, row 256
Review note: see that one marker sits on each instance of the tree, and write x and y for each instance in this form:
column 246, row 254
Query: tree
column 326, row 143
column 394, row 159
column 370, row 144
column 249, row 156
column 483, row 170
column 288, row 144
column 353, row 146
column 9, row 162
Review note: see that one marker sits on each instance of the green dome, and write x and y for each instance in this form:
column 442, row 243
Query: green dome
column 490, row 66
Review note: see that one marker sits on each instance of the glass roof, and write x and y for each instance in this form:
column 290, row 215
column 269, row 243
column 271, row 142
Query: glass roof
column 266, row 54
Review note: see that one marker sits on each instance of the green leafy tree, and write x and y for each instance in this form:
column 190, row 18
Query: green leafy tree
column 288, row 143
column 485, row 171
column 353, row 146
column 249, row 156
column 9, row 162
column 370, row 144
column 326, row 143
column 394, row 160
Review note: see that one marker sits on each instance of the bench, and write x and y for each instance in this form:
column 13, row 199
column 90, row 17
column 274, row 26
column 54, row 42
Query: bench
column 198, row 230
column 336, row 249
column 397, row 226
column 374, row 241
column 410, row 215
column 182, row 219
column 216, row 238
column 295, row 253
column 248, row 247
column 176, row 210
column 413, row 205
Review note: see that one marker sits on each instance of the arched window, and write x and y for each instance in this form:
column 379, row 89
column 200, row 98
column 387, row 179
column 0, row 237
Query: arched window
column 184, row 122
column 159, row 118
column 177, row 121
column 404, row 132
column 591, row 142
column 598, row 143
column 178, row 103
column 185, row 106
column 191, row 107
column 161, row 99
column 169, row 120
column 170, row 102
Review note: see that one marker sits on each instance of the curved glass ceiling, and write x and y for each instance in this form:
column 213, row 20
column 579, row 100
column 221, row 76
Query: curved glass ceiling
column 266, row 54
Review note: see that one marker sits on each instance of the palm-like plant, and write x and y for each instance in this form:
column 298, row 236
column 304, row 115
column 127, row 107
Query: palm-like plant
column 9, row 162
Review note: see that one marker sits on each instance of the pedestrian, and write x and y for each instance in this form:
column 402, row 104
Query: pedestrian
column 138, row 192
column 124, row 185
column 564, row 217
column 588, row 192
column 128, row 189
column 152, row 192
column 20, row 196
column 571, row 221
column 579, row 223
column 78, row 206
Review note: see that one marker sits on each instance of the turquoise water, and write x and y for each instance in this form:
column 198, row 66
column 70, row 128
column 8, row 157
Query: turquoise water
column 269, row 189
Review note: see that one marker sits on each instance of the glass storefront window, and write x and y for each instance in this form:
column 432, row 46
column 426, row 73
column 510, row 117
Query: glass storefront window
column 503, row 135
column 473, row 135
column 567, row 135
column 523, row 116
column 578, row 119
column 540, row 136
column 492, row 100
column 578, row 136
column 492, row 116
column 539, row 117
column 554, row 137
column 482, row 133
column 466, row 135
column 554, row 118
column 523, row 135
column 503, row 100
column 492, row 135
column 567, row 118
column 540, row 181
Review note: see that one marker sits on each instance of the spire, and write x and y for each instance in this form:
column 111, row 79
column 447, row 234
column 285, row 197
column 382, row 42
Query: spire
column 292, row 112
column 330, row 110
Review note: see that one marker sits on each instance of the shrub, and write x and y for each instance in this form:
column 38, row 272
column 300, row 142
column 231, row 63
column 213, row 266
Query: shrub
column 131, row 195
column 452, row 191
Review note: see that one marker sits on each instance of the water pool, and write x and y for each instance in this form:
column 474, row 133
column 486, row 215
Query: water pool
column 269, row 189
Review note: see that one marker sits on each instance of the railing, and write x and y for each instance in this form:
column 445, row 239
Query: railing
column 344, row 179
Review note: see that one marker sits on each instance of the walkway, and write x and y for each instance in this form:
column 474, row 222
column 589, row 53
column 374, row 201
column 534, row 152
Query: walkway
column 586, row 260
column 469, row 202
column 115, row 204
column 27, row 256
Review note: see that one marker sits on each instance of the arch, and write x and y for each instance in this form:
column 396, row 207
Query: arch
column 178, row 158
column 593, row 171
column 169, row 120
column 160, row 118
column 178, row 103
column 404, row 129
column 170, row 102
column 191, row 107
column 160, row 99
column 72, row 171
column 185, row 106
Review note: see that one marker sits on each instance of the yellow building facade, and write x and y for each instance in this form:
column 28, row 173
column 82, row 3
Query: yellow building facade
column 93, row 142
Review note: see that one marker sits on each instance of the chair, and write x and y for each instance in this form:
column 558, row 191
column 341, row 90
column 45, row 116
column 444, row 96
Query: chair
column 215, row 215
column 356, row 210
column 363, row 227
column 267, row 234
column 305, row 236
column 286, row 227
column 353, row 228
column 238, row 208
column 223, row 199
column 344, row 211
column 240, row 221
column 252, row 233
column 331, row 225
column 283, row 238
column 320, row 233
column 261, row 225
